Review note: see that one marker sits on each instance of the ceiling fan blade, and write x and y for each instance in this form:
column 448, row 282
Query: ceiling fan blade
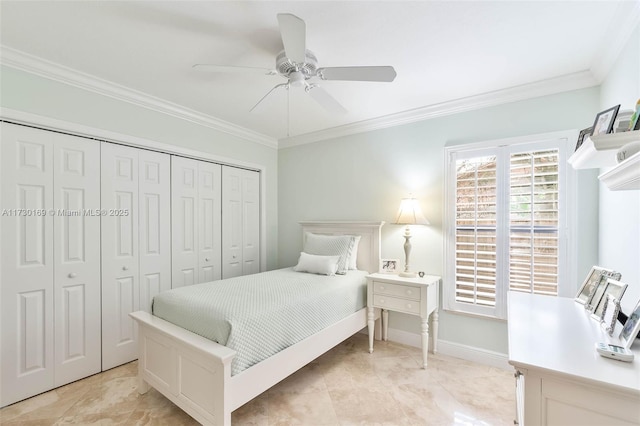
column 293, row 32
column 325, row 100
column 234, row 69
column 268, row 93
column 383, row 73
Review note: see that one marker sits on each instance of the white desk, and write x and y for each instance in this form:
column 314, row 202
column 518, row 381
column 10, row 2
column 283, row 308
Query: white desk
column 561, row 378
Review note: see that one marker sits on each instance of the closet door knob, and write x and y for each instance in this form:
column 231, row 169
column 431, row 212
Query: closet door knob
column 125, row 268
column 206, row 259
column 234, row 256
column 72, row 275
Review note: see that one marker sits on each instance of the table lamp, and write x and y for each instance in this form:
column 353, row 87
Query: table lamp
column 409, row 214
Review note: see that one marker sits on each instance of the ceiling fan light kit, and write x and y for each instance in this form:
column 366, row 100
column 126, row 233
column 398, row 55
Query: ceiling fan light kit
column 300, row 67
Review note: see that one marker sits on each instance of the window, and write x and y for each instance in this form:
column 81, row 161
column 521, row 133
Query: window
column 506, row 221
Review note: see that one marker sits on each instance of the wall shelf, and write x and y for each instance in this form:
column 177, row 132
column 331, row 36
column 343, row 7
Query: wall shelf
column 600, row 150
column 625, row 175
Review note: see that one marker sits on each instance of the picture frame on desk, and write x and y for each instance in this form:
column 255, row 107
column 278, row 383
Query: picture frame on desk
column 596, row 276
column 609, row 316
column 613, row 288
column 631, row 327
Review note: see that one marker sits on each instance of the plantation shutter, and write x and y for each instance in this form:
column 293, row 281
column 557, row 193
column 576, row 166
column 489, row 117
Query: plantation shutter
column 534, row 222
column 508, row 220
column 527, row 225
column 476, row 230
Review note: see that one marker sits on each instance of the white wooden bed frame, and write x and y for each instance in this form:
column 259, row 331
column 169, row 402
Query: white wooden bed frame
column 195, row 373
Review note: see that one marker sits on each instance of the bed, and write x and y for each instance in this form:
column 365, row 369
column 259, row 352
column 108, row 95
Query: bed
column 200, row 376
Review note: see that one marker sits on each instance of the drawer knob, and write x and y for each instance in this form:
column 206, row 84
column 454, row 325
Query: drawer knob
column 409, row 305
column 73, row 275
column 125, row 268
column 206, row 259
column 382, row 301
column 409, row 292
column 381, row 287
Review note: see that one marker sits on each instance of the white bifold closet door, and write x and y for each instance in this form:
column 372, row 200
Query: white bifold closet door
column 50, row 255
column 136, row 256
column 240, row 222
column 196, row 229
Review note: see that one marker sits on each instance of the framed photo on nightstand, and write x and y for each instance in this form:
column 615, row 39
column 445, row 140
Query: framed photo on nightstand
column 389, row 266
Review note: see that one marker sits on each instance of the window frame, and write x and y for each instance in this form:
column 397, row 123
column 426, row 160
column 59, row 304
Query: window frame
column 502, row 149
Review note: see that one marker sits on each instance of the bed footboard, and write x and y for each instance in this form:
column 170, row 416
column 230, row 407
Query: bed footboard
column 191, row 371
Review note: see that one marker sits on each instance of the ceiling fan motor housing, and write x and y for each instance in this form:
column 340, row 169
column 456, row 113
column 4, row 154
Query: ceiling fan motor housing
column 286, row 66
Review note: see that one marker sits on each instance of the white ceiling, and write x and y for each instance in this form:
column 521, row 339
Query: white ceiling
column 442, row 50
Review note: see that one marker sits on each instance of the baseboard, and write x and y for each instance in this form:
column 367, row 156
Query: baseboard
column 457, row 350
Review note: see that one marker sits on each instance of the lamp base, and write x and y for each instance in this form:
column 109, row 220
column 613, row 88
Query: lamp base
column 408, row 274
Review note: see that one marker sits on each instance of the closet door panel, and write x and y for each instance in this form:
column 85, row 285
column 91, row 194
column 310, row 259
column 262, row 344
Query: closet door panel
column 26, row 275
column 120, row 269
column 77, row 258
column 155, row 225
column 232, row 243
column 209, row 226
column 184, row 221
column 250, row 222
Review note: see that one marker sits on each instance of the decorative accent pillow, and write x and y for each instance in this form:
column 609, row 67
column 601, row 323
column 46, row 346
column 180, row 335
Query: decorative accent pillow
column 330, row 245
column 354, row 252
column 316, row 264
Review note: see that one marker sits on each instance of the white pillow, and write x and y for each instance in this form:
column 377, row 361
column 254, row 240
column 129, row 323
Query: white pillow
column 316, row 264
column 354, row 253
column 330, row 245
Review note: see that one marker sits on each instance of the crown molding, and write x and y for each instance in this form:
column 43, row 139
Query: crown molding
column 625, row 21
column 565, row 83
column 23, row 61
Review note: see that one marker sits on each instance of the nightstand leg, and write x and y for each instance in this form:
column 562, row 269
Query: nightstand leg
column 370, row 326
column 425, row 341
column 434, row 330
column 385, row 324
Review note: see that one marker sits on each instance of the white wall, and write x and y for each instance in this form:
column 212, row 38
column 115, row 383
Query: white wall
column 37, row 95
column 364, row 177
column 619, row 236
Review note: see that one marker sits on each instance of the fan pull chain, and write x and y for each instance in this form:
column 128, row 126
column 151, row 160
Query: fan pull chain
column 288, row 111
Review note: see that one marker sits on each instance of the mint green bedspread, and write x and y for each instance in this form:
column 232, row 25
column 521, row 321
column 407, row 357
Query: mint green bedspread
column 259, row 315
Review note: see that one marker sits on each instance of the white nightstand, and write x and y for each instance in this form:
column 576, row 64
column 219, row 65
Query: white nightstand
column 414, row 296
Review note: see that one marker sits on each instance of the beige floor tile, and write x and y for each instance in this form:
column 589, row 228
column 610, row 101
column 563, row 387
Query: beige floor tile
column 346, row 386
column 306, row 380
column 253, row 413
column 367, row 406
column 314, row 408
column 94, row 420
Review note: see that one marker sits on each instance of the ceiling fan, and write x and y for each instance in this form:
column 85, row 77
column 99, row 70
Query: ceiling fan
column 300, row 67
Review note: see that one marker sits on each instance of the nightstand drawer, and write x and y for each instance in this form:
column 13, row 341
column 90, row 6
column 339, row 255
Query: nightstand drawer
column 396, row 304
column 396, row 290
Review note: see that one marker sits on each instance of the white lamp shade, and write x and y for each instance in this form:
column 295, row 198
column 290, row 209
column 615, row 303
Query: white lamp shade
column 410, row 213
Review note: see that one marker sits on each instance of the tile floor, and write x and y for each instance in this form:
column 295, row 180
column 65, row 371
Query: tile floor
column 345, row 386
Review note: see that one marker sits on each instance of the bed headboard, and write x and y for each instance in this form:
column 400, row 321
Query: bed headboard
column 369, row 248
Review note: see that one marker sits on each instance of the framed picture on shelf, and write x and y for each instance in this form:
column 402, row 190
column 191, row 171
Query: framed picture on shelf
column 584, row 134
column 610, row 314
column 613, row 288
column 389, row 266
column 592, row 282
column 631, row 327
column 604, row 121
